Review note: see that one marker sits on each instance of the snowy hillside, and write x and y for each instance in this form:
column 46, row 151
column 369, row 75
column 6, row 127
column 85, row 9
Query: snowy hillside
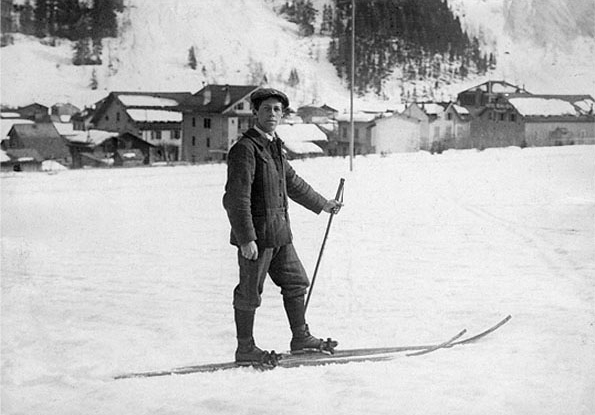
column 239, row 42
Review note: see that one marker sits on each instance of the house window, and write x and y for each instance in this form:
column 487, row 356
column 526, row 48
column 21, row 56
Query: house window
column 117, row 116
column 449, row 116
column 502, row 116
column 175, row 134
column 240, row 106
column 512, row 117
column 344, row 132
column 194, row 121
column 207, row 123
column 193, row 140
column 208, row 142
column 158, row 135
column 356, row 133
column 106, row 117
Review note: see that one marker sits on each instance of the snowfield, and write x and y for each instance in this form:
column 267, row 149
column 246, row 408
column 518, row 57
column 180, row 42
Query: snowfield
column 111, row 271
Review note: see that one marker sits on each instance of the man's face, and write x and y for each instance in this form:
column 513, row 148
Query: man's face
column 269, row 114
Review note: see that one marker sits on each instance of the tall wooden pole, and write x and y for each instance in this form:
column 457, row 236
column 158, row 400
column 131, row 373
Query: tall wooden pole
column 352, row 135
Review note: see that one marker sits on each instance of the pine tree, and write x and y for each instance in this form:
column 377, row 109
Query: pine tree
column 26, row 22
column 82, row 52
column 40, row 17
column 94, row 84
column 294, row 78
column 192, row 63
column 97, row 49
column 103, row 16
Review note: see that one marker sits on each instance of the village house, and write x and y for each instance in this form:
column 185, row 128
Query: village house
column 457, row 127
column 435, row 129
column 20, row 160
column 362, row 134
column 42, row 137
column 534, row 120
column 476, row 98
column 34, row 112
column 396, row 133
column 312, row 114
column 213, row 119
column 81, row 121
column 152, row 116
column 63, row 112
column 302, row 140
column 97, row 148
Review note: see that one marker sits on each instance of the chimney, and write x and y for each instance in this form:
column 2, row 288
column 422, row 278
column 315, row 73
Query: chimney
column 206, row 96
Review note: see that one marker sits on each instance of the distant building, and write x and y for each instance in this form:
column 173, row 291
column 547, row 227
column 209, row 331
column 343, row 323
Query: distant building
column 479, row 96
column 42, row 137
column 21, row 160
column 63, row 112
column 82, row 120
column 362, row 136
column 213, row 119
column 396, row 133
column 96, row 148
column 535, row 120
column 34, row 112
column 302, row 140
column 312, row 114
column 151, row 116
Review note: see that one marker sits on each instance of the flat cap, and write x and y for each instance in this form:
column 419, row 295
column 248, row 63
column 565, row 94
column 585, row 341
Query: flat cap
column 264, row 93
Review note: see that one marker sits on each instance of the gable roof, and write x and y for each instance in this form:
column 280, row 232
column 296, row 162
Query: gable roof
column 140, row 100
column 496, row 87
column 217, row 98
column 42, row 137
column 547, row 106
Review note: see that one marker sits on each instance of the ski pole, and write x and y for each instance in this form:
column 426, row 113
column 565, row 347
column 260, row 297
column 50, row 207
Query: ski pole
column 338, row 198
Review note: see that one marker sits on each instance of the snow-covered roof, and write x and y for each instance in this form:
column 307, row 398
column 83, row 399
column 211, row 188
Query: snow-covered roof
column 501, row 88
column 358, row 117
column 64, row 129
column 146, row 101
column 143, row 115
column 431, row 108
column 91, row 136
column 460, row 110
column 7, row 123
column 299, row 137
column 10, row 115
column 543, row 107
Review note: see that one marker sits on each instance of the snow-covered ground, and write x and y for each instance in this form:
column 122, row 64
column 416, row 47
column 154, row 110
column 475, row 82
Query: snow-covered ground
column 110, row 271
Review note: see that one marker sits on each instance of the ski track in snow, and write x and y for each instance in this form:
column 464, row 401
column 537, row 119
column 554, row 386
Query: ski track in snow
column 112, row 271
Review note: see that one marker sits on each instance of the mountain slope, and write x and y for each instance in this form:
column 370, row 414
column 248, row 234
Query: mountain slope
column 241, row 41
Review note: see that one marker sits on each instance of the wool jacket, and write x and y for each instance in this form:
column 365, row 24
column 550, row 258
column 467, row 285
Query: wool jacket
column 259, row 182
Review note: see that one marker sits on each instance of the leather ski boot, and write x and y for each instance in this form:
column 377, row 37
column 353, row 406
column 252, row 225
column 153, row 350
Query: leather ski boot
column 303, row 342
column 248, row 353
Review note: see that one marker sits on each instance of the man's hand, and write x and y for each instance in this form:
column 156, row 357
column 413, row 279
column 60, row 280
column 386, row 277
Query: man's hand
column 250, row 251
column 332, row 206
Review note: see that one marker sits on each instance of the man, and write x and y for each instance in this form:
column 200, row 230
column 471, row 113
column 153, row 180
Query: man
column 259, row 182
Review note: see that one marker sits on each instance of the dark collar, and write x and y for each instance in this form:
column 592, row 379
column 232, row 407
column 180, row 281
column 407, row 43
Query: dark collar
column 256, row 137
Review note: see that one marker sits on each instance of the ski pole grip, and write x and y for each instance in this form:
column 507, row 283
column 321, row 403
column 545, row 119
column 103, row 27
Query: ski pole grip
column 340, row 190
